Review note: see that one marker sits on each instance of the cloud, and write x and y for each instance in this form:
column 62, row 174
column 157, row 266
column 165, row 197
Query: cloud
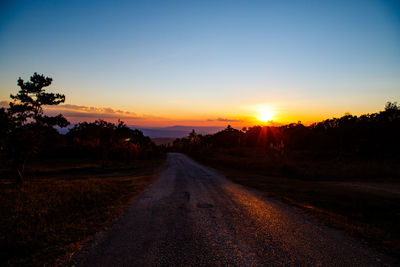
column 87, row 109
column 225, row 120
column 76, row 113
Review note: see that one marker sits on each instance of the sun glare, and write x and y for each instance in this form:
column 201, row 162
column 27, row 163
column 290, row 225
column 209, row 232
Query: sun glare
column 266, row 115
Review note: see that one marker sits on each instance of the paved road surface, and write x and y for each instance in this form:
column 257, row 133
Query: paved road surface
column 193, row 216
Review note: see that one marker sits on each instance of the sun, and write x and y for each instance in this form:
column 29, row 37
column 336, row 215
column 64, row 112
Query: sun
column 266, row 114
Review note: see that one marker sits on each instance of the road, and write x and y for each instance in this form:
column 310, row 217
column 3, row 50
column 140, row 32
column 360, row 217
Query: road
column 193, row 216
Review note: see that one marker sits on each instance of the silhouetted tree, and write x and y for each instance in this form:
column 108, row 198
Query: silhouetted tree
column 392, row 106
column 30, row 99
column 29, row 125
column 193, row 137
column 229, row 137
column 97, row 136
column 105, row 139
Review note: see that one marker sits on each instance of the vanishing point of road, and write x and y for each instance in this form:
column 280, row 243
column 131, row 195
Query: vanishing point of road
column 193, row 216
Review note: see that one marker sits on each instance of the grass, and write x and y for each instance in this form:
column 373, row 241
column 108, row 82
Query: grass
column 302, row 164
column 48, row 218
column 366, row 208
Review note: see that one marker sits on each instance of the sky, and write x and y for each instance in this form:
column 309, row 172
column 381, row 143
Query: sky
column 162, row 63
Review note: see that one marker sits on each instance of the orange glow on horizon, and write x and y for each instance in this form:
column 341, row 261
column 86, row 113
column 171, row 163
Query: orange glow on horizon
column 272, row 114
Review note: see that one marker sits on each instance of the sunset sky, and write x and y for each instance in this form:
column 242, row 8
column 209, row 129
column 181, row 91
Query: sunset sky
column 161, row 63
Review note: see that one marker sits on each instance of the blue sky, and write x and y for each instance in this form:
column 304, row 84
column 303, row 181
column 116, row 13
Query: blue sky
column 193, row 61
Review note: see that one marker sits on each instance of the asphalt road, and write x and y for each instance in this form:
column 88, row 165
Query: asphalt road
column 192, row 216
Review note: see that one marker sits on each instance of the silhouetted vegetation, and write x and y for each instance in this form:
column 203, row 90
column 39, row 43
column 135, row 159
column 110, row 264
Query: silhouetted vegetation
column 288, row 149
column 26, row 133
column 25, row 128
column 109, row 141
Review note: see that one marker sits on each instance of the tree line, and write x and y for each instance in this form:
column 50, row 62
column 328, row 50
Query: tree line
column 26, row 132
column 373, row 135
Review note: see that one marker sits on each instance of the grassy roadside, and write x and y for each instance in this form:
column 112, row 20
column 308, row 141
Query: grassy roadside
column 49, row 217
column 367, row 210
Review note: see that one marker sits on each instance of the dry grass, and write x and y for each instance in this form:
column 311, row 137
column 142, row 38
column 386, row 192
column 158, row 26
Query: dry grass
column 45, row 220
column 302, row 164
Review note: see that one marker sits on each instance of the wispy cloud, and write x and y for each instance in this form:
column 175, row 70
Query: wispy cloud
column 100, row 110
column 226, row 120
column 79, row 113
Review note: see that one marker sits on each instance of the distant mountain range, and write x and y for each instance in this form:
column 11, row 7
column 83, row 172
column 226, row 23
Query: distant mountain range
column 177, row 131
